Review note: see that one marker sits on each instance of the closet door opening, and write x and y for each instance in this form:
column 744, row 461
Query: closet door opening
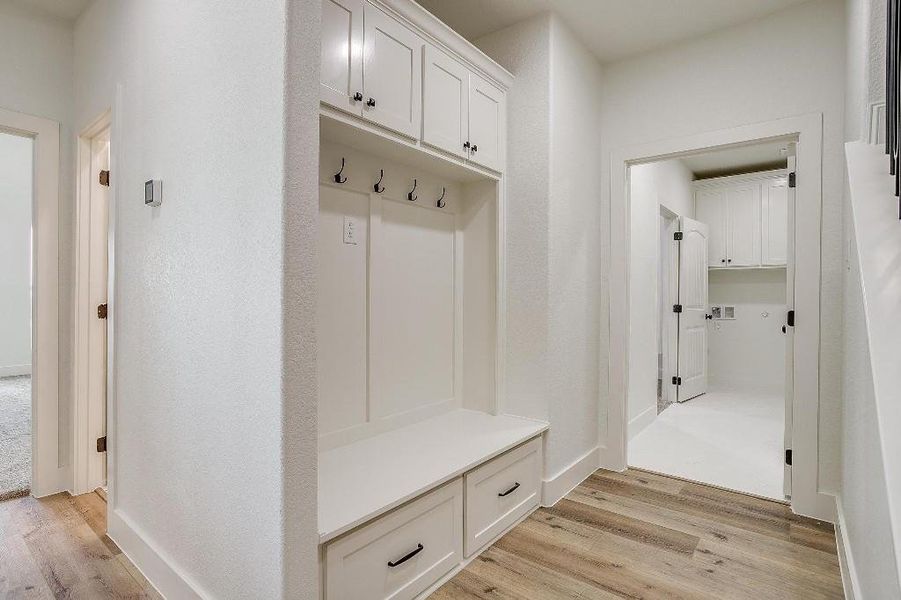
column 710, row 355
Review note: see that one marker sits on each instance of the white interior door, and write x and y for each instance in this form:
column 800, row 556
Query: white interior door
column 486, row 123
column 392, row 73
column 743, row 227
column 445, row 106
column 789, row 331
column 692, row 365
column 341, row 69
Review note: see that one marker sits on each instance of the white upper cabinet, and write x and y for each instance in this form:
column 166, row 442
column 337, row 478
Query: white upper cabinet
column 486, row 123
column 710, row 209
column 775, row 217
column 445, row 103
column 341, row 76
column 743, row 226
column 392, row 73
column 748, row 220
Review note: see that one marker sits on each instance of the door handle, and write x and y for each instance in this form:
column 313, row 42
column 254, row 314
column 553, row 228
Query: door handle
column 400, row 561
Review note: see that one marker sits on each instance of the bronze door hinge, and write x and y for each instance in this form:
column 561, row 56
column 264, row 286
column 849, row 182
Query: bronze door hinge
column 104, row 178
column 101, row 311
column 101, row 444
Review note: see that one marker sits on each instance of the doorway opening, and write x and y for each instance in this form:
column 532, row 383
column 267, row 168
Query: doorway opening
column 16, row 196
column 710, row 296
column 91, row 308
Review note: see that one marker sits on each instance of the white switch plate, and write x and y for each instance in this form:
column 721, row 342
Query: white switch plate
column 350, row 231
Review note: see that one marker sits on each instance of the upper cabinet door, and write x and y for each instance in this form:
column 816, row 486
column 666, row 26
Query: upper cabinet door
column 775, row 222
column 743, row 225
column 487, row 123
column 392, row 74
column 341, row 75
column 710, row 209
column 445, row 103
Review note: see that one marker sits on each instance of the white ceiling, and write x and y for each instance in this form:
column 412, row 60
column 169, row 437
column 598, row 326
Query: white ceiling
column 68, row 10
column 612, row 29
column 741, row 159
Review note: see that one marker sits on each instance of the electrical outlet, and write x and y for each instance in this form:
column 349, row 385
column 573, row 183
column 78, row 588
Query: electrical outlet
column 350, row 231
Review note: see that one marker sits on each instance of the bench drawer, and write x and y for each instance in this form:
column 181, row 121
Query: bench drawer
column 399, row 555
column 500, row 492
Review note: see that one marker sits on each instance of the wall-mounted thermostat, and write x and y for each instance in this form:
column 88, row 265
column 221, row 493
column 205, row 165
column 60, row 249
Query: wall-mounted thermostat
column 153, row 192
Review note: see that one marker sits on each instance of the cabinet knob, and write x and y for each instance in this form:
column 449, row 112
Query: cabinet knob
column 358, row 96
column 466, row 145
column 370, row 102
column 729, row 260
column 475, row 148
column 722, row 260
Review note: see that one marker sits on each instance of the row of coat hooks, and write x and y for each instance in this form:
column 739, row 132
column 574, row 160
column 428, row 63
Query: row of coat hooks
column 378, row 188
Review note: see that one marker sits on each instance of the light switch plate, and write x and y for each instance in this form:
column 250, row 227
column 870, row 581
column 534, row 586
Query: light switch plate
column 350, row 231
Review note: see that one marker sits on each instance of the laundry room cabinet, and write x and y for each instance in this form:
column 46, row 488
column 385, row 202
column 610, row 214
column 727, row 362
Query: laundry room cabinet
column 748, row 219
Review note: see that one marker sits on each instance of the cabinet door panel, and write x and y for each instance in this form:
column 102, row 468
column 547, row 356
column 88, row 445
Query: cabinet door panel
column 710, row 209
column 392, row 74
column 341, row 74
column 445, row 104
column 775, row 222
column 743, row 225
column 486, row 123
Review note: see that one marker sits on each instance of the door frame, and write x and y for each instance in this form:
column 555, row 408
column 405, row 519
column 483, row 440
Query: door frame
column 668, row 264
column 808, row 131
column 47, row 476
column 84, row 415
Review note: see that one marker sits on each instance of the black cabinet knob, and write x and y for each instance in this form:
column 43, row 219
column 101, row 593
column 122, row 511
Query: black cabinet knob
column 466, row 145
column 729, row 260
column 358, row 96
column 722, row 260
column 475, row 148
column 370, row 102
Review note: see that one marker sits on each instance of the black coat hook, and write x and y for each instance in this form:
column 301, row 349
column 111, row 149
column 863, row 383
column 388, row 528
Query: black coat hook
column 441, row 202
column 378, row 187
column 338, row 178
column 410, row 196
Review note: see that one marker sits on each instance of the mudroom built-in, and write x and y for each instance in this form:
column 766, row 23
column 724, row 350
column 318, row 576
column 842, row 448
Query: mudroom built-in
column 709, row 293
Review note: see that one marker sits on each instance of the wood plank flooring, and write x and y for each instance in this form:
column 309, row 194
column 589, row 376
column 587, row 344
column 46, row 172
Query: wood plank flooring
column 57, row 547
column 618, row 535
column 642, row 535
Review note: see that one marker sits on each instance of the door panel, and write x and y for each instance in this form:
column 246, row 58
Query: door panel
column 743, row 225
column 445, row 108
column 341, row 74
column 774, row 247
column 692, row 364
column 392, row 74
column 710, row 208
column 486, row 123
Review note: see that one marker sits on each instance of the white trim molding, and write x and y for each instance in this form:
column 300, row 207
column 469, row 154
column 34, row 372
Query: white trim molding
column 47, row 477
column 153, row 564
column 850, row 582
column 645, row 418
column 15, row 370
column 86, row 462
column 808, row 131
column 556, row 487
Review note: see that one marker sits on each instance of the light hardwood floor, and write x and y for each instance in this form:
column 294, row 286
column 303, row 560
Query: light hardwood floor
column 641, row 535
column 618, row 535
column 57, row 547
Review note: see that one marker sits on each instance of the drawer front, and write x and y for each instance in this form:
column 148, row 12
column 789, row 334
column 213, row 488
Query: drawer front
column 401, row 554
column 500, row 492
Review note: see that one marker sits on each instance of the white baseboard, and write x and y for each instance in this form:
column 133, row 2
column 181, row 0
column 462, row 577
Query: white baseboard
column 15, row 370
column 556, row 487
column 850, row 582
column 153, row 565
column 645, row 418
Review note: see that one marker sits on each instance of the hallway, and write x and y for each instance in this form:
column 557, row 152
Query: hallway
column 15, row 436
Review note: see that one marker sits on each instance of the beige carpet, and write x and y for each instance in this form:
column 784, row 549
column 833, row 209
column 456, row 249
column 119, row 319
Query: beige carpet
column 15, row 437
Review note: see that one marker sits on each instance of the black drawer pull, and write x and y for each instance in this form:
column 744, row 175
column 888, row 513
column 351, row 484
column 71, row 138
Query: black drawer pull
column 510, row 491
column 401, row 561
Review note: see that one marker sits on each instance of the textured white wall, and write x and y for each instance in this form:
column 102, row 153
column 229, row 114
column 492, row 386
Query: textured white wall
column 15, row 254
column 787, row 64
column 215, row 435
column 524, row 49
column 666, row 183
column 36, row 79
column 574, row 277
column 554, row 264
column 748, row 352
